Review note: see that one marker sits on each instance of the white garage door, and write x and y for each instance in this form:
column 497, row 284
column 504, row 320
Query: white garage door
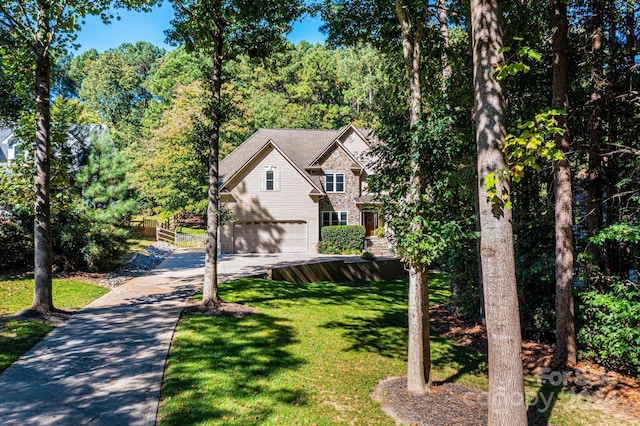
column 270, row 237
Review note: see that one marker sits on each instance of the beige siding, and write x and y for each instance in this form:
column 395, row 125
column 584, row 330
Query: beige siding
column 291, row 202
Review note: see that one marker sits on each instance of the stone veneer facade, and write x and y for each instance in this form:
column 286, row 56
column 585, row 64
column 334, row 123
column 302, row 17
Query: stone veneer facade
column 341, row 201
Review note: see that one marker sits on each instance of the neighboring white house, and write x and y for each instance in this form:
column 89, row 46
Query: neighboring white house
column 78, row 140
column 7, row 146
column 283, row 185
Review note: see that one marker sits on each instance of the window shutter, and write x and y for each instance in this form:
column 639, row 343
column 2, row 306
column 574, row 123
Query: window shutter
column 263, row 180
column 276, row 180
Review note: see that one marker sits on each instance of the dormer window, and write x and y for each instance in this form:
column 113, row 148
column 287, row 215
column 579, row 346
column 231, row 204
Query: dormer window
column 270, row 179
column 334, row 182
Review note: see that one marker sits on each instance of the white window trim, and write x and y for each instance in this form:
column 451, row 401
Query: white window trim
column 263, row 179
column 339, row 214
column 335, row 182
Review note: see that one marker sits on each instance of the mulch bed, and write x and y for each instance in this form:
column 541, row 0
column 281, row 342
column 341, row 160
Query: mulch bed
column 56, row 317
column 446, row 404
column 454, row 404
column 225, row 309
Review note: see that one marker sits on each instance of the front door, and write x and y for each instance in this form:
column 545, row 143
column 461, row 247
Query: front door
column 369, row 223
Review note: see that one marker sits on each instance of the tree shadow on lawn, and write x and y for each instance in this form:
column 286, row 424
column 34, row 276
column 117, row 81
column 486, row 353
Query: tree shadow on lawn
column 365, row 295
column 386, row 334
column 16, row 337
column 540, row 408
column 380, row 321
column 220, row 369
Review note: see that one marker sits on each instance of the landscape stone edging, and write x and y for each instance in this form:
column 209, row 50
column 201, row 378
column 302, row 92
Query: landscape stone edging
column 141, row 262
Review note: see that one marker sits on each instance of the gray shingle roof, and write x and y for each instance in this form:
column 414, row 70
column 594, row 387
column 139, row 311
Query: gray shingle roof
column 301, row 146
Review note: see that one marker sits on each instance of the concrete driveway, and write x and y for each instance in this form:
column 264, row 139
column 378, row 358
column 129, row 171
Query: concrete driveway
column 104, row 366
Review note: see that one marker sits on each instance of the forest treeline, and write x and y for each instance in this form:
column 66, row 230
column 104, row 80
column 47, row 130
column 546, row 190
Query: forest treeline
column 155, row 104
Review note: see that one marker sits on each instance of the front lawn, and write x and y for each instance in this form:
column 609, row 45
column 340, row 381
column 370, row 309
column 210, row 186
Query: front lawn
column 18, row 336
column 312, row 355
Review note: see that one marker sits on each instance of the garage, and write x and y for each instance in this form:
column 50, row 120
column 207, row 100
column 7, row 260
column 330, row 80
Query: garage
column 270, row 237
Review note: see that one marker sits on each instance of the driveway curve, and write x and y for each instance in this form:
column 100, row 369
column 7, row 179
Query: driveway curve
column 104, row 366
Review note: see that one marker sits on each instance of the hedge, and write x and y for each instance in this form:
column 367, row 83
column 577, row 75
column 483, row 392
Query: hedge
column 341, row 239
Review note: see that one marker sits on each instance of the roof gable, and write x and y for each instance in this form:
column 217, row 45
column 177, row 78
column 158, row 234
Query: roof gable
column 302, row 148
column 320, row 159
column 228, row 182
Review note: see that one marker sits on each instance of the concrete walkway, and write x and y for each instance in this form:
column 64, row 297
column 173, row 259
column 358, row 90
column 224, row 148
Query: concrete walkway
column 104, row 366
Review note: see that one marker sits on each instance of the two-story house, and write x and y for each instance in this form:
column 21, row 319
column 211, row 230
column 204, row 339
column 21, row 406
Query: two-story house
column 283, row 185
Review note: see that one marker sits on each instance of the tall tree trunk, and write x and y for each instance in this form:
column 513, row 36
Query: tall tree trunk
column 419, row 351
column 506, row 380
column 630, row 43
column 443, row 23
column 42, row 295
column 210, row 296
column 593, row 219
column 565, row 329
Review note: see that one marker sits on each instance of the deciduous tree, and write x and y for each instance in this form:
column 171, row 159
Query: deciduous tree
column 42, row 26
column 566, row 351
column 222, row 28
column 506, row 380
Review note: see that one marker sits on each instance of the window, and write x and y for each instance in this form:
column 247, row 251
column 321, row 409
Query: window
column 270, row 179
column 334, row 182
column 334, row 218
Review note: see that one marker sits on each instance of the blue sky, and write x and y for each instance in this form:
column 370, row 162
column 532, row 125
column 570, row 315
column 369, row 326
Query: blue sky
column 137, row 26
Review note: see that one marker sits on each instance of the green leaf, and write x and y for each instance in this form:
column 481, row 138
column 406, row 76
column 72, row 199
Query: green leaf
column 534, row 55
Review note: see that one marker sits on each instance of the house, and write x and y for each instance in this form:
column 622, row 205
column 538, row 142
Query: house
column 75, row 145
column 7, row 146
column 283, row 185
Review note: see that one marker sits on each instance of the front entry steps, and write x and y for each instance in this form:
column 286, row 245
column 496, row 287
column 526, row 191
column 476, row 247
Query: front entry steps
column 378, row 247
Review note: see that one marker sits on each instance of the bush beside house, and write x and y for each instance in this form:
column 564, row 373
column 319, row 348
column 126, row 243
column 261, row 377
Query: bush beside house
column 341, row 239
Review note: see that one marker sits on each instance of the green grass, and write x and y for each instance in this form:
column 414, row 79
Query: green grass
column 17, row 336
column 313, row 355
column 17, row 294
column 190, row 231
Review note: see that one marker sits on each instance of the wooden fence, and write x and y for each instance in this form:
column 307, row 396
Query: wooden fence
column 190, row 240
column 166, row 235
column 144, row 228
column 172, row 223
column 180, row 240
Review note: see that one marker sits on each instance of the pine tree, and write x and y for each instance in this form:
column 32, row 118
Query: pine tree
column 106, row 202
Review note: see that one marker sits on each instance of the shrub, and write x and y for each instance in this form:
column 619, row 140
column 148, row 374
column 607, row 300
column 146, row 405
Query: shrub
column 341, row 239
column 609, row 326
column 16, row 245
column 367, row 256
column 465, row 283
column 379, row 232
